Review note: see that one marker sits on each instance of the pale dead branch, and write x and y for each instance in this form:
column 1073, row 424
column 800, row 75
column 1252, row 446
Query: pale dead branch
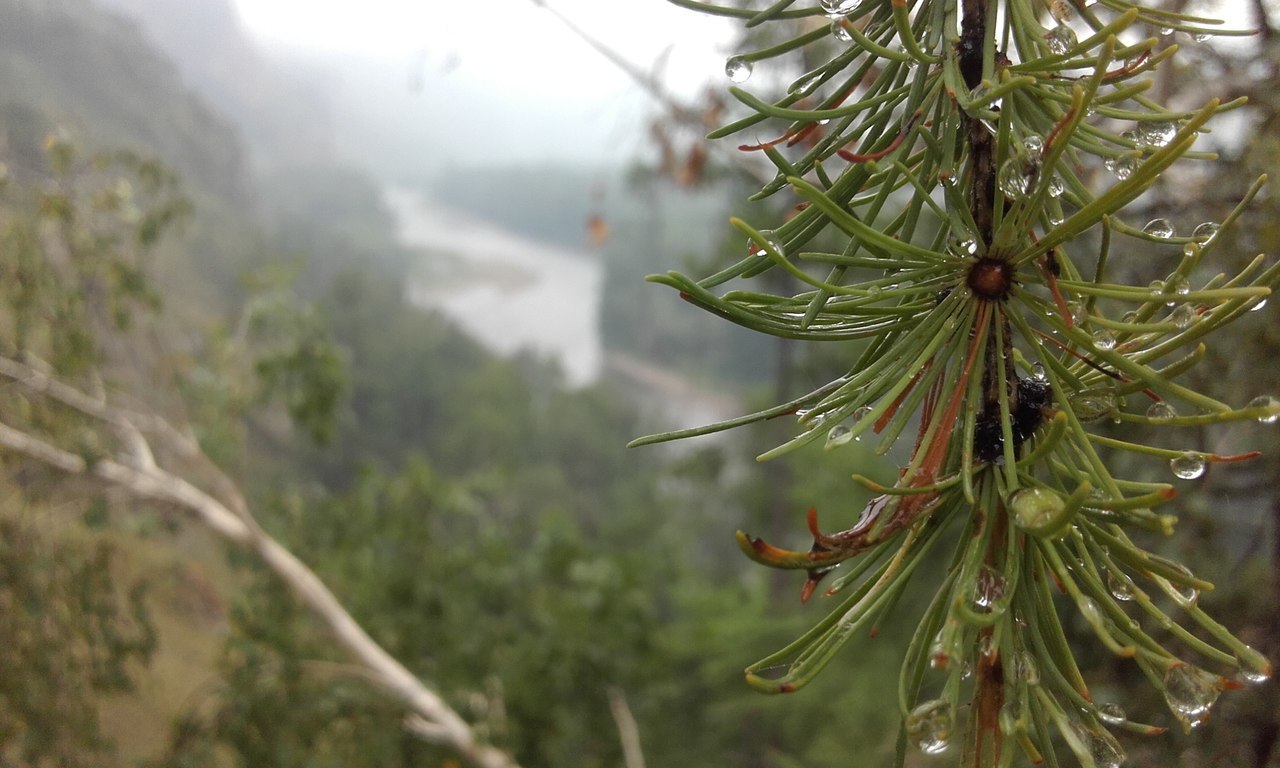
column 429, row 716
column 628, row 731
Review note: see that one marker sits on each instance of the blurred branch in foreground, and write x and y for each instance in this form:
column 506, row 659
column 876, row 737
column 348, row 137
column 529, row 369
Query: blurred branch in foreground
column 136, row 471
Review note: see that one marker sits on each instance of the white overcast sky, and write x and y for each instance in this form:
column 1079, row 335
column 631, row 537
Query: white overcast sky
column 516, row 52
column 640, row 28
column 509, row 42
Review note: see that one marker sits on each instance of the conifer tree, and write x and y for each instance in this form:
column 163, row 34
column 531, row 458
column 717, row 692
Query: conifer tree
column 962, row 170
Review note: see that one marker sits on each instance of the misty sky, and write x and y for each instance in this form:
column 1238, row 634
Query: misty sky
column 511, row 63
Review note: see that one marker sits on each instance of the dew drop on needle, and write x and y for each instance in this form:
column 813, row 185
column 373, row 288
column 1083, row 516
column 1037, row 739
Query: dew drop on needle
column 738, row 69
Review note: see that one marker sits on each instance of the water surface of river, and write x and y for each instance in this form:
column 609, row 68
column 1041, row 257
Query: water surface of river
column 508, row 292
column 514, row 294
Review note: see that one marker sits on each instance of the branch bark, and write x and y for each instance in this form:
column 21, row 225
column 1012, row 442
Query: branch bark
column 982, row 160
column 429, row 716
column 628, row 731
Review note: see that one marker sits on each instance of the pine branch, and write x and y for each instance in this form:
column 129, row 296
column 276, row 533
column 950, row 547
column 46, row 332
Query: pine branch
column 949, row 194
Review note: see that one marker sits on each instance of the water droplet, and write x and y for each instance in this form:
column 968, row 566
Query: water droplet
column 1104, row 749
column 1104, row 339
column 1184, row 316
column 1037, row 372
column 1112, row 714
column 1205, row 232
column 1159, row 228
column 1259, row 305
column 1035, row 508
column 1056, row 187
column 987, row 647
column 840, row 31
column 1200, row 37
column 1119, row 586
column 1254, row 667
column 938, row 656
column 1055, row 218
column 1079, row 314
column 963, row 246
column 1017, row 176
column 1188, row 465
column 1121, row 167
column 738, row 69
column 987, row 589
column 1184, row 594
column 1061, row 39
column 1033, row 144
column 1180, row 285
column 1156, row 133
column 809, row 419
column 874, row 509
column 1092, row 405
column 1271, row 404
column 837, row 436
column 1090, row 611
column 838, row 7
column 929, row 727
column 1190, row 692
column 1162, row 411
column 1025, row 666
column 1009, row 716
column 775, row 243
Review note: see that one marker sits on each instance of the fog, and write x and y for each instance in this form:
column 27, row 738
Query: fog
column 331, row 328
column 434, row 85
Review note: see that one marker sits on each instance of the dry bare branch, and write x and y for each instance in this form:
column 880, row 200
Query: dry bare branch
column 628, row 731
column 430, row 717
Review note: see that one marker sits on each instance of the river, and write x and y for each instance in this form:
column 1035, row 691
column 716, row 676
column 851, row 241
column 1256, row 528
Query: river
column 514, row 294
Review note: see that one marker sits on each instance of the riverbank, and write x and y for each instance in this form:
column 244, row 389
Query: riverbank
column 514, row 294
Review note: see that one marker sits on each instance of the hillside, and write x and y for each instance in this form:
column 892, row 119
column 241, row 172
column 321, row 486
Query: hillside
column 97, row 74
column 280, row 110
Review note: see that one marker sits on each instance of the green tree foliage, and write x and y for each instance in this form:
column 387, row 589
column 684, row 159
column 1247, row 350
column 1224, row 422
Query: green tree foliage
column 69, row 638
column 76, row 329
column 451, row 591
column 77, row 233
